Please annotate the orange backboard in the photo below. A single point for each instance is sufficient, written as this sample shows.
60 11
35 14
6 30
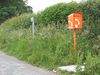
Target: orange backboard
75 20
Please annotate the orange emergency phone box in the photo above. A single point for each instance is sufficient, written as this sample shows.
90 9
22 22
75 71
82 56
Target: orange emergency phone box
75 20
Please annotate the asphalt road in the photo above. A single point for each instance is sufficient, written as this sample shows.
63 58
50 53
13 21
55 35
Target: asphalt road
9 65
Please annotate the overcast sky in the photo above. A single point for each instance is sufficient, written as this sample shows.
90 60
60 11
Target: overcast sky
39 5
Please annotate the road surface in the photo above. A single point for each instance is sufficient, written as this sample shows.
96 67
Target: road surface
9 65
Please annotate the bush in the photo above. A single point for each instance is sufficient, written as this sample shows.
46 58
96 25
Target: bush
91 16
17 22
57 13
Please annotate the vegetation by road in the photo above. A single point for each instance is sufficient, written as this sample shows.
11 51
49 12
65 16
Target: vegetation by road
53 42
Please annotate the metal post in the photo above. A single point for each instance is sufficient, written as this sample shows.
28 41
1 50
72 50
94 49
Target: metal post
33 27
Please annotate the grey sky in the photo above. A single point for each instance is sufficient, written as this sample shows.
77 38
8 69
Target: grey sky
39 5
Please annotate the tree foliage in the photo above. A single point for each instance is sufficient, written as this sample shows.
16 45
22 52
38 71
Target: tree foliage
10 8
57 13
91 15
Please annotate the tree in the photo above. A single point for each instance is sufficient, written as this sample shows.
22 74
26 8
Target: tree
10 8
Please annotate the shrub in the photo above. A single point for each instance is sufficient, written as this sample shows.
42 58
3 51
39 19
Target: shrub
18 22
91 16
57 13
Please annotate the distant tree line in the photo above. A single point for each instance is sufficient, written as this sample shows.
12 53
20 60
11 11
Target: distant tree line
10 8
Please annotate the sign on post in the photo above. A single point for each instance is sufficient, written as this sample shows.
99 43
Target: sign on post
75 22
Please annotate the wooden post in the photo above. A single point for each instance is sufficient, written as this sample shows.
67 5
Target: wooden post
74 36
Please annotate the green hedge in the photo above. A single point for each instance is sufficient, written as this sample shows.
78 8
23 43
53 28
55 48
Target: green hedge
57 13
18 22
